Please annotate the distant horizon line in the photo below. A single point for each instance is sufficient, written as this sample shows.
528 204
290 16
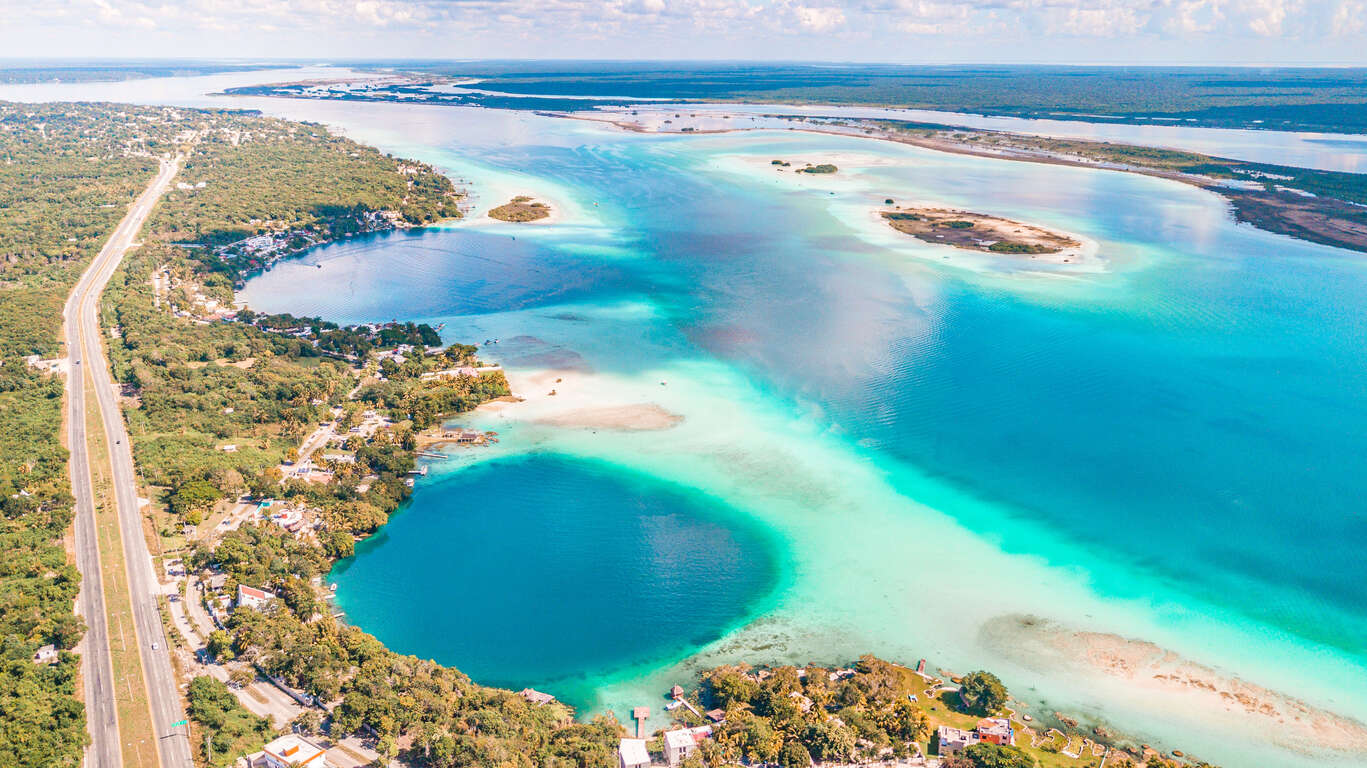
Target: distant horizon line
19 61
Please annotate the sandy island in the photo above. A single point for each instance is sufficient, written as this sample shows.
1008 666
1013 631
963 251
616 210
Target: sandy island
522 209
633 418
1146 667
566 398
981 232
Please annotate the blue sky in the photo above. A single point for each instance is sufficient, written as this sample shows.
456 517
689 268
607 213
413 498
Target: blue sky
912 31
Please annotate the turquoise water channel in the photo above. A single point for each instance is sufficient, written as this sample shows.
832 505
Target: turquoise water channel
1079 476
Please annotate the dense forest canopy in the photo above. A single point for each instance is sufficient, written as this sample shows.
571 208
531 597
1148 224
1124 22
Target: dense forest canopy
1329 99
67 175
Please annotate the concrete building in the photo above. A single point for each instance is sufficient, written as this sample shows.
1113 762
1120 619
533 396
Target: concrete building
952 741
290 751
679 745
997 730
251 597
632 754
536 697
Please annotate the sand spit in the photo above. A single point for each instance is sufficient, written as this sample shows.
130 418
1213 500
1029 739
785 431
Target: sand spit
572 398
1148 668
640 417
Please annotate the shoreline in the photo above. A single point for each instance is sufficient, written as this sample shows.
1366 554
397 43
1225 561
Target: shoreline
1281 213
497 406
869 224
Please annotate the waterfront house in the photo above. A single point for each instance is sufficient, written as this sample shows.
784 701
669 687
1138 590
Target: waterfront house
251 597
679 745
997 730
676 692
952 741
631 753
536 697
290 751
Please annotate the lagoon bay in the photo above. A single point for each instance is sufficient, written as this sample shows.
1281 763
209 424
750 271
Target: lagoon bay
1031 470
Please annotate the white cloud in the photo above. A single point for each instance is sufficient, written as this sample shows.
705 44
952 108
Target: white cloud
679 28
819 19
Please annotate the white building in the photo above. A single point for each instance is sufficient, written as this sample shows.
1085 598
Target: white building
290 751
955 740
251 597
679 745
46 655
632 754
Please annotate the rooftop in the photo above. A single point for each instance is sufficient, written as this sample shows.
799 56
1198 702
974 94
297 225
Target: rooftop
293 749
680 739
633 752
536 697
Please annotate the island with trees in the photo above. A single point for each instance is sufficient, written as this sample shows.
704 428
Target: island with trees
979 232
521 209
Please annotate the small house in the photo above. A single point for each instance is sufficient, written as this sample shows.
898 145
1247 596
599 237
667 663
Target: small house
679 745
997 730
290 751
952 741
631 753
46 655
536 697
251 597
676 692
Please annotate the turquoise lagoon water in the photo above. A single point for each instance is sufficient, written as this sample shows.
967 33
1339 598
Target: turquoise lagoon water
906 451
1166 450
610 566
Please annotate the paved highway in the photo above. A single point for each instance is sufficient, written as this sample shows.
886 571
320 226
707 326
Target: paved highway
87 358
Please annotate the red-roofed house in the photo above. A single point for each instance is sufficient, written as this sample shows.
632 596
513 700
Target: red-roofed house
251 597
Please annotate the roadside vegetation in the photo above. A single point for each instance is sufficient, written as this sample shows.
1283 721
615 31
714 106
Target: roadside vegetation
232 731
260 383
67 175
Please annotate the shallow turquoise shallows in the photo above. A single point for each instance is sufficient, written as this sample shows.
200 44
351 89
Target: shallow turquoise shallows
1168 450
1063 478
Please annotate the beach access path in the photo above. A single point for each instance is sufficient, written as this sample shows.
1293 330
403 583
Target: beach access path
81 327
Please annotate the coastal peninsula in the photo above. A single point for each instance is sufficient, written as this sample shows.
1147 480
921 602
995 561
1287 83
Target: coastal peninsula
1318 206
979 232
268 445
521 209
